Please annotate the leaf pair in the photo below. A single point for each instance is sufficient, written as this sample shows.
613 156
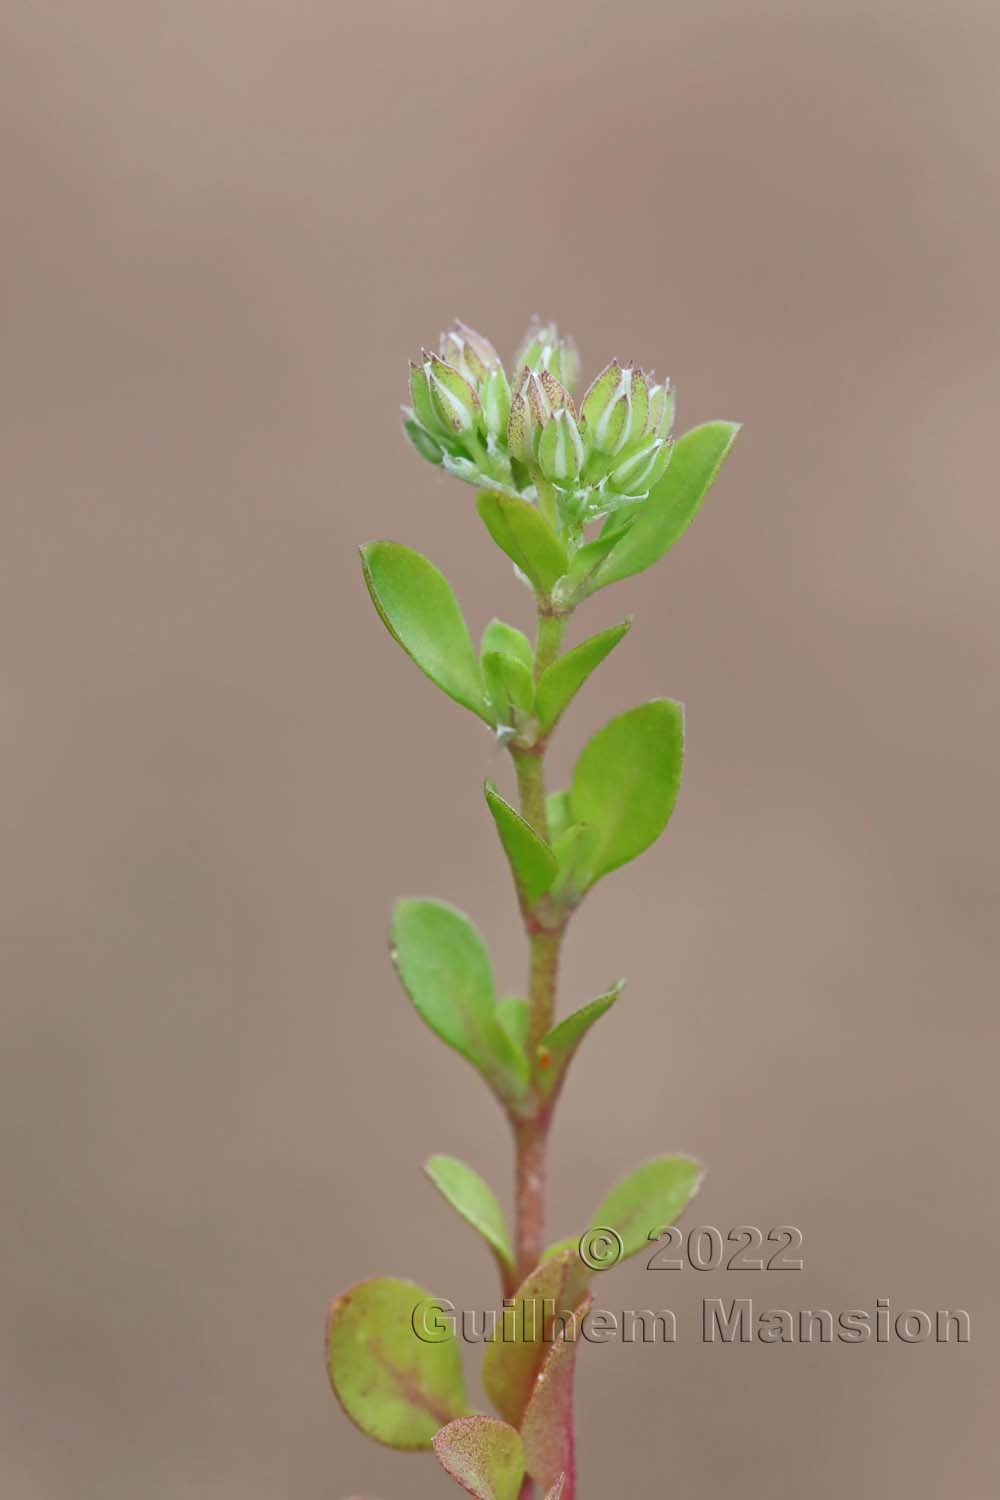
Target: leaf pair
445 969
623 791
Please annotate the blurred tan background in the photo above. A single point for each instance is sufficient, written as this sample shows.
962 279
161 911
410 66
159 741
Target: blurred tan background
226 228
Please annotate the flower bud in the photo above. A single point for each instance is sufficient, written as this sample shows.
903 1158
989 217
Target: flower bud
421 439
641 469
543 349
467 351
560 448
456 404
494 397
616 406
423 403
530 409
661 410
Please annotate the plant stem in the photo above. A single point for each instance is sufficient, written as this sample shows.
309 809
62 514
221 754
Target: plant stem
545 940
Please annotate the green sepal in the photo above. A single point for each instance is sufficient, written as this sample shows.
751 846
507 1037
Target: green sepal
485 1456
671 506
560 682
398 1388
474 1200
648 1199
547 1426
557 1047
445 969
533 864
525 536
418 608
512 1361
625 783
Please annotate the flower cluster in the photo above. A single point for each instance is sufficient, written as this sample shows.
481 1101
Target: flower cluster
526 436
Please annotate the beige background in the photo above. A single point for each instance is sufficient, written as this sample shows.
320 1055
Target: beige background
226 228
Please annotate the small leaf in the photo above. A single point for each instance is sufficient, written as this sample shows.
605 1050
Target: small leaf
625 782
499 636
559 1045
397 1388
474 1200
560 683
484 1455
513 1359
559 813
578 580
420 612
509 685
527 538
672 504
648 1199
532 862
445 970
573 849
513 1013
547 1428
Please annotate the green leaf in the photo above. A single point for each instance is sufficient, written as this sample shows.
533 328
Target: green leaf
625 782
648 1199
573 850
474 1200
445 970
672 504
559 813
560 683
509 685
578 580
547 1427
527 538
532 862
499 636
485 1456
512 1361
420 612
558 1046
513 1013
396 1387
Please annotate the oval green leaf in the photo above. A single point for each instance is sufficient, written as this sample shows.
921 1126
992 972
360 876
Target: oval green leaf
532 862
527 538
672 505
560 683
509 641
396 1387
625 782
649 1199
445 969
510 687
473 1198
485 1456
416 604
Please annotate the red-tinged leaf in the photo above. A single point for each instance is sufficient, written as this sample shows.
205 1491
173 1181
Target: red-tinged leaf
397 1387
547 1429
485 1456
513 1359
